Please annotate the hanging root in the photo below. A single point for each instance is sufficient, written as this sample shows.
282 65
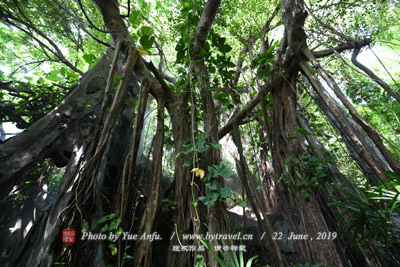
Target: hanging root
84 187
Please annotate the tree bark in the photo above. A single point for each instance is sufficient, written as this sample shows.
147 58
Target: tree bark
143 248
302 212
60 132
375 161
372 133
265 226
217 216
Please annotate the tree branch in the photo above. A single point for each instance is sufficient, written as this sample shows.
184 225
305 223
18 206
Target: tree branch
29 25
38 63
87 18
81 25
371 132
373 76
243 113
204 26
357 44
119 32
9 110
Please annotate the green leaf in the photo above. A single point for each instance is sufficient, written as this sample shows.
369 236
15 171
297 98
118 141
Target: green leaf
188 163
214 185
207 245
89 58
86 104
114 224
250 261
214 196
63 71
225 48
216 145
85 227
242 204
106 218
302 131
393 175
180 56
134 37
135 18
147 41
145 30
203 199
104 228
223 170
225 192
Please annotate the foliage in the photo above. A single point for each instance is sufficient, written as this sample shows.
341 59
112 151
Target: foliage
229 259
368 210
112 224
43 56
170 203
215 191
265 61
30 101
144 34
310 168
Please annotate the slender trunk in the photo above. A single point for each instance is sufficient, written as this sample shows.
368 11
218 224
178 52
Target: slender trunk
217 216
265 136
184 214
256 203
143 248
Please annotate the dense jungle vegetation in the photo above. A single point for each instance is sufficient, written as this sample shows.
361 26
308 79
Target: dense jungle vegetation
200 133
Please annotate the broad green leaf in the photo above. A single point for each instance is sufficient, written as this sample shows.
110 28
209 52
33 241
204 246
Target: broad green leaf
145 30
135 18
225 192
302 131
242 204
89 58
214 185
216 145
214 196
147 41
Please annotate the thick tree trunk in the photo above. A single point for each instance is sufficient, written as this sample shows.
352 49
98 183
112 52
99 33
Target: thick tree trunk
356 140
60 132
299 206
302 213
217 216
59 135
81 108
371 132
349 251
256 203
